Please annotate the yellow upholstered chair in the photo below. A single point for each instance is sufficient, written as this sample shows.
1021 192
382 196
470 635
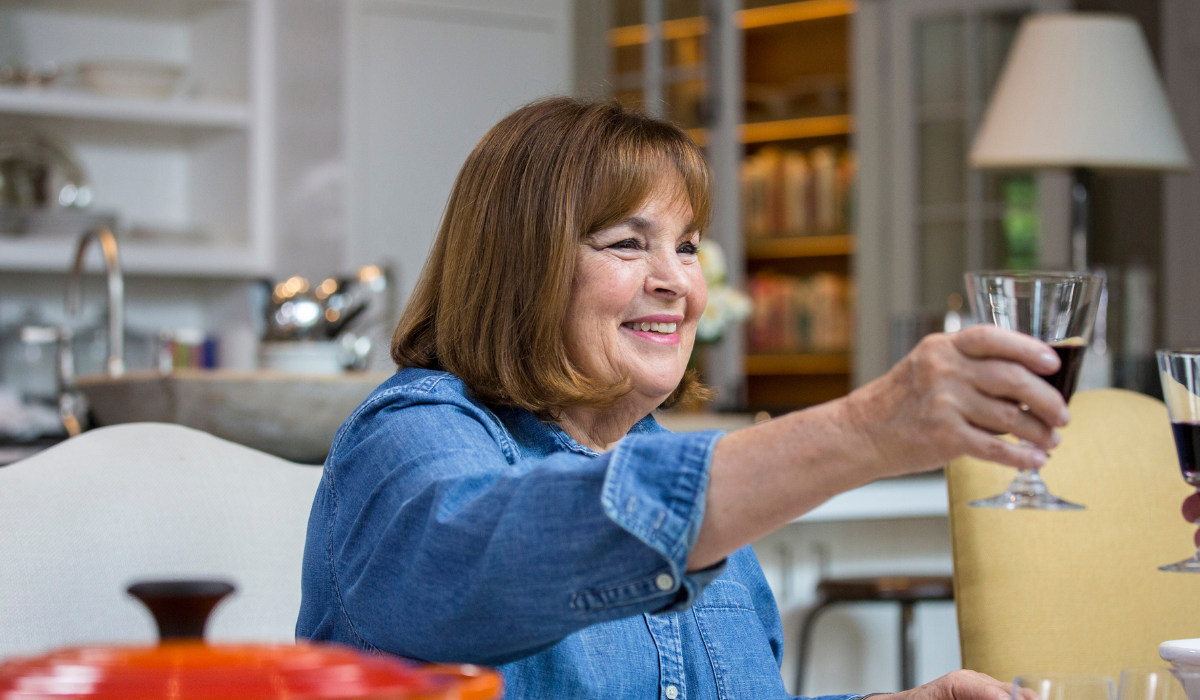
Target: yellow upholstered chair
1078 592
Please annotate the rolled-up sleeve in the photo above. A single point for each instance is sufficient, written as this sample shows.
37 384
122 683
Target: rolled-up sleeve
655 489
444 547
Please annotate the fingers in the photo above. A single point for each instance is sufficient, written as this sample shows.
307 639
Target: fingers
1191 508
982 445
969 685
986 341
1000 416
1022 693
1007 380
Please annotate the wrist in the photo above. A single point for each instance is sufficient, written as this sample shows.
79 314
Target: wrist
861 424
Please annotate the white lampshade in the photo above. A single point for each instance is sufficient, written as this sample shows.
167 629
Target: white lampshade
1079 90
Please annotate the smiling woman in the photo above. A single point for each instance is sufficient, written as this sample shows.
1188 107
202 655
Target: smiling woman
507 497
546 186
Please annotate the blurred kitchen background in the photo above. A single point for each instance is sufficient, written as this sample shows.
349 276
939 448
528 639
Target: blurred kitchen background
274 172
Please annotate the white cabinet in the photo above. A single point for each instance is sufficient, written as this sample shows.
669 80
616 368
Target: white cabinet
188 176
426 81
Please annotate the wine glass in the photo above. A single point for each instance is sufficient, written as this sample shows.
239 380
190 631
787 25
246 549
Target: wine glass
1179 371
1062 686
1059 308
1149 683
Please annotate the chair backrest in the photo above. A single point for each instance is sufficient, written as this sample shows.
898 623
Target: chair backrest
82 520
1078 592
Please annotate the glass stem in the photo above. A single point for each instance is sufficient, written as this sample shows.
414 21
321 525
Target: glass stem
1028 482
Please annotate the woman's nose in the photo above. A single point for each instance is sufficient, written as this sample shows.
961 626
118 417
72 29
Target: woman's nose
667 277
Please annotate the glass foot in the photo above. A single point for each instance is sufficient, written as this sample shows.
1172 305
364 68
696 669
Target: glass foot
1190 566
1027 491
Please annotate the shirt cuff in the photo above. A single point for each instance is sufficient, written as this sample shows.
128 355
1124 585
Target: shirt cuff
655 489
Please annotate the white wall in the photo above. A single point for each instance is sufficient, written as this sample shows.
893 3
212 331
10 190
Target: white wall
426 81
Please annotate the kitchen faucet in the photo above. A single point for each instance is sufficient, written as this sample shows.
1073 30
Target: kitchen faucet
72 407
114 365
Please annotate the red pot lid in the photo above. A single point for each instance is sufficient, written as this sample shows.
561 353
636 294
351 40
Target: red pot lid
183 668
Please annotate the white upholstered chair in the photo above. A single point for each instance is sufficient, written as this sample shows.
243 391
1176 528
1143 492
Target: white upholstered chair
82 520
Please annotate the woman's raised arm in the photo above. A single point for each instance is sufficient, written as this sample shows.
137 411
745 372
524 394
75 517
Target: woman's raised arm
951 396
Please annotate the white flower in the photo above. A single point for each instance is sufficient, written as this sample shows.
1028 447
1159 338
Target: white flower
726 306
712 262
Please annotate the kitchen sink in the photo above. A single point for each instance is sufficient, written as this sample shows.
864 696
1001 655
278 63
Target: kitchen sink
293 416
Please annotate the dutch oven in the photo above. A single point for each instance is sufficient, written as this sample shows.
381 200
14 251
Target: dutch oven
183 667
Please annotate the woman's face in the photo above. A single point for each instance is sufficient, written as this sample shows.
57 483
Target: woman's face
638 295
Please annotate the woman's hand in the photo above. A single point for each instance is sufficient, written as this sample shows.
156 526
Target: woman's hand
954 394
960 685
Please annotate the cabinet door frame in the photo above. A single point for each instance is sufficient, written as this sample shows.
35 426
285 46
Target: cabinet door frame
887 262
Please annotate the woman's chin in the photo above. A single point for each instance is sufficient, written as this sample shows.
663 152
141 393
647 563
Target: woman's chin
659 385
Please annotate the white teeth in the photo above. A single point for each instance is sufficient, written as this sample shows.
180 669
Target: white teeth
665 328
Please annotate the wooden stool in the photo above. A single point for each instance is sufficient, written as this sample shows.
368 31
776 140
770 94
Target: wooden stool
905 590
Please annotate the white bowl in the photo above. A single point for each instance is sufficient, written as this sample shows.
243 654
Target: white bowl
1183 653
1184 656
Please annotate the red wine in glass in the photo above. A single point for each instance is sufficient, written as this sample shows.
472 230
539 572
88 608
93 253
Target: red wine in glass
1179 371
1070 354
1187 444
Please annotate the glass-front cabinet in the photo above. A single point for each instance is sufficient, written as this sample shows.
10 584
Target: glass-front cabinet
925 70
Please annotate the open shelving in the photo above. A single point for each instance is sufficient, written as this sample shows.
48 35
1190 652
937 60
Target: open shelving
795 97
187 178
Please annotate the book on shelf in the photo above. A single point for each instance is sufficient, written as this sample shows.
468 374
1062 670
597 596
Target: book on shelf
788 192
790 314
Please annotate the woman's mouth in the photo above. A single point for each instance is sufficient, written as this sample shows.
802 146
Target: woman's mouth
663 328
654 331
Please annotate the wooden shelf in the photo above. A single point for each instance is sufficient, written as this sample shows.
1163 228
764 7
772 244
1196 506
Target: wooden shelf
756 18
815 363
82 105
786 129
798 247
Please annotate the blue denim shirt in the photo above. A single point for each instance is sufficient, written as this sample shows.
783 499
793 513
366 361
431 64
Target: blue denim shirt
445 529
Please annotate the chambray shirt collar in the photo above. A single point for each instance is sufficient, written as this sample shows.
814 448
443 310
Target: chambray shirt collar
541 438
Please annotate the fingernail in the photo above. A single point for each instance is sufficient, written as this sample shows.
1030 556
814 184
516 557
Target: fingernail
1049 359
1055 438
1064 417
1039 459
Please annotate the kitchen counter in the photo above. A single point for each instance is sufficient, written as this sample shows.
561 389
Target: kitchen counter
921 496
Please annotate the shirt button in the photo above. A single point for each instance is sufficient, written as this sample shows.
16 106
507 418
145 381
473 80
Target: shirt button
664 583
672 691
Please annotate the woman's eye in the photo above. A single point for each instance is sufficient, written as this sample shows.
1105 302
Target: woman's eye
689 249
627 244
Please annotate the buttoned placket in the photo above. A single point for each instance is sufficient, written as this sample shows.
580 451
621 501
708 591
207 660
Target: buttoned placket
664 629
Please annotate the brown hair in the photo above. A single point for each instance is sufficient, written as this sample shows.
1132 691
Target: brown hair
491 301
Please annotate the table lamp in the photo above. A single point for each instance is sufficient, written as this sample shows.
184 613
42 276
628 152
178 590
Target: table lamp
1079 90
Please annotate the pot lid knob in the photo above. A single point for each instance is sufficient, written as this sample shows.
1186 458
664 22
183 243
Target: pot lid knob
180 608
